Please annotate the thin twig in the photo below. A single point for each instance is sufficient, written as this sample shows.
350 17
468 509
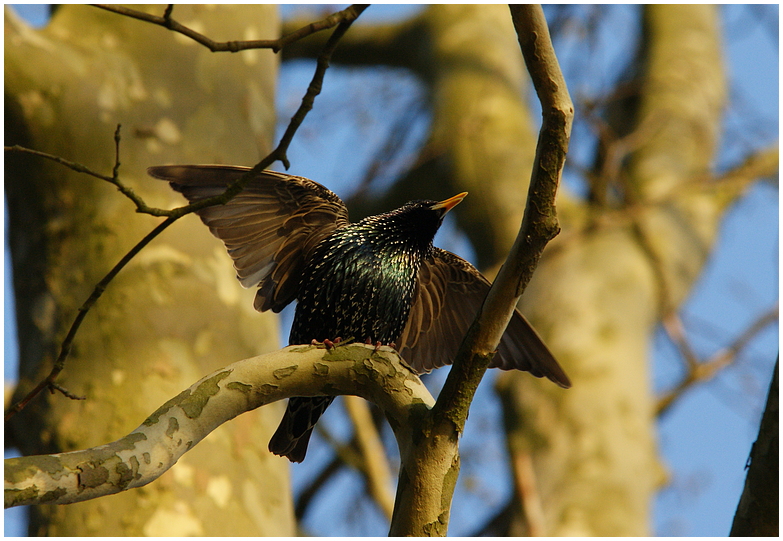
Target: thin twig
672 324
279 153
53 386
65 348
700 372
141 206
79 168
348 14
316 83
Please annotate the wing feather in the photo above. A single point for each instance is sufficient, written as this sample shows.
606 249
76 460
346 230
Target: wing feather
449 295
269 229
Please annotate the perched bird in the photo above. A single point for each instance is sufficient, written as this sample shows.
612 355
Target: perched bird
379 279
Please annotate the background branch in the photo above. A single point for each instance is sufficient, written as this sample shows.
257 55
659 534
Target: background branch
374 464
700 372
758 511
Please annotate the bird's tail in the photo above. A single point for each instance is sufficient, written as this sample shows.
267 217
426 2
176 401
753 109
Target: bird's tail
292 436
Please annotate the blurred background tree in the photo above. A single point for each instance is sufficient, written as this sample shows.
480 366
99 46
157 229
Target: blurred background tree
671 139
177 309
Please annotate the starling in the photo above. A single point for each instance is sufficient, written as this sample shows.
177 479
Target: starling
379 279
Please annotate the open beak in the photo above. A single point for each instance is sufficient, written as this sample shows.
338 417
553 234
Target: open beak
448 204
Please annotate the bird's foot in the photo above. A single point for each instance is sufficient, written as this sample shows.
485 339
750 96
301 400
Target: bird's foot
328 344
378 345
331 344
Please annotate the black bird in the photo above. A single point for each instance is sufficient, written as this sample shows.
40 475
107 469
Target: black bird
379 279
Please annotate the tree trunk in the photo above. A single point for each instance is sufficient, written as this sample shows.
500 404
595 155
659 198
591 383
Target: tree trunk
758 511
601 289
177 306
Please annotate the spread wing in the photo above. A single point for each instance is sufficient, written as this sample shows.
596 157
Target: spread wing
450 293
269 229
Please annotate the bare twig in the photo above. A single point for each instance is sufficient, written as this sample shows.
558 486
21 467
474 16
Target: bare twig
65 348
699 372
79 168
315 85
348 14
672 324
141 206
279 153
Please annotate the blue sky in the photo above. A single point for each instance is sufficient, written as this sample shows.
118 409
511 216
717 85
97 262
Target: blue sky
705 440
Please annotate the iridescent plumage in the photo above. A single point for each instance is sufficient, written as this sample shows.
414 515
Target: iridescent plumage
379 279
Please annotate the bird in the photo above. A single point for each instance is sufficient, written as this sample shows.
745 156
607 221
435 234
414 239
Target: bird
378 280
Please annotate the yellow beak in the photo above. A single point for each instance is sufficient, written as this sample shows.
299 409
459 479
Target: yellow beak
450 203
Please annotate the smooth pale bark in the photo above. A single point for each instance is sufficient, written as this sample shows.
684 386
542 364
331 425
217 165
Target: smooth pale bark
178 426
599 295
176 312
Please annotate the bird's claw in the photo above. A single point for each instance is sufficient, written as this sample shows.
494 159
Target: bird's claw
328 344
378 345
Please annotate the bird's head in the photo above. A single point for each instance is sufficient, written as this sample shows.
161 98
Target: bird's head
421 219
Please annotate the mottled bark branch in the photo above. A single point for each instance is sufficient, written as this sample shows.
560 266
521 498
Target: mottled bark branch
176 427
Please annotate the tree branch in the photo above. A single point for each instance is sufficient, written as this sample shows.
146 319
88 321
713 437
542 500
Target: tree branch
176 427
700 372
539 224
428 473
348 14
527 491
